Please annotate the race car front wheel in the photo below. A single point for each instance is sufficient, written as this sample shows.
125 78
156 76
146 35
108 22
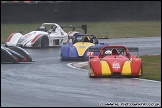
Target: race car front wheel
44 42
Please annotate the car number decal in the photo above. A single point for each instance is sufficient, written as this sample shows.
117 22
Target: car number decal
61 40
116 65
90 53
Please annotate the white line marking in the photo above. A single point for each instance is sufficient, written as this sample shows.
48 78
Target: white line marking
70 65
147 80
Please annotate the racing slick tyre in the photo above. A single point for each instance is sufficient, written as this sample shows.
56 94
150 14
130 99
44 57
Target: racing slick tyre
44 42
89 74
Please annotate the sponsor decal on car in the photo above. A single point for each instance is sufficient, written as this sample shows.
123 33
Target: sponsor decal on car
81 46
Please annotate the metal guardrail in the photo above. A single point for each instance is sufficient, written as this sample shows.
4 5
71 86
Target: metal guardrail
28 1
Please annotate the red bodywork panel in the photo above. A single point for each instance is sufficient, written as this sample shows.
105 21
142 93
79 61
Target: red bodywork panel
135 66
95 65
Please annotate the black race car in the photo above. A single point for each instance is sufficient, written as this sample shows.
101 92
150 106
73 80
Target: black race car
14 54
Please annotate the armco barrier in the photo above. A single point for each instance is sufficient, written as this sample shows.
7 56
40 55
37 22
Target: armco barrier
80 11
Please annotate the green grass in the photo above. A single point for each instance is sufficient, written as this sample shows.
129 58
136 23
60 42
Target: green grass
110 29
123 29
151 67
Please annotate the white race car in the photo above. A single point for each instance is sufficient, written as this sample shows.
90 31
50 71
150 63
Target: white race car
41 37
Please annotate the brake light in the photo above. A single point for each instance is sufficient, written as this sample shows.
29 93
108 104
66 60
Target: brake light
24 59
17 59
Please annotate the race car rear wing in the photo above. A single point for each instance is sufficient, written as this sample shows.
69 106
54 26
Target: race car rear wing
131 49
84 27
102 37
106 37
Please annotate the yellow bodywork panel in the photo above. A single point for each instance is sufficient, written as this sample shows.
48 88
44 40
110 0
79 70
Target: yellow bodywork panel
91 72
105 68
126 68
140 72
82 47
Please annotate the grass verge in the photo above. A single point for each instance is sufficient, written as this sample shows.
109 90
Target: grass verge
151 67
100 29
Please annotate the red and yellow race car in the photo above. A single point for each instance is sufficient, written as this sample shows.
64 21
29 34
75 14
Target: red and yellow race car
115 61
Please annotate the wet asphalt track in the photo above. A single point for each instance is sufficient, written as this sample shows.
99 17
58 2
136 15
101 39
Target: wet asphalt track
50 82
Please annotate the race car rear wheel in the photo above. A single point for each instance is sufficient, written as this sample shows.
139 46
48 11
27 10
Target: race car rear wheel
44 42
89 75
